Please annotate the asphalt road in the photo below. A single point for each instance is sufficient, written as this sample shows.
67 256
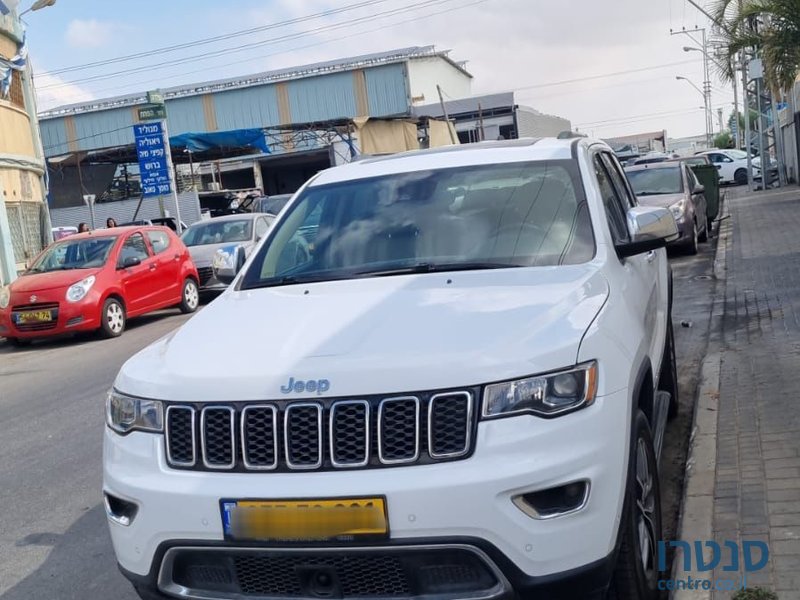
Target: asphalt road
54 542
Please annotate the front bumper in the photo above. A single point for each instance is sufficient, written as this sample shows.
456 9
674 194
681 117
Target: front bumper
467 502
72 316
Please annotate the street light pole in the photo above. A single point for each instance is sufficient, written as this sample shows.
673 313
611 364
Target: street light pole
705 105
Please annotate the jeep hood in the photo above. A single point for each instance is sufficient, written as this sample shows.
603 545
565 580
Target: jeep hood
378 335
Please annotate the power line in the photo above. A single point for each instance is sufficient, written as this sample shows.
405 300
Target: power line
297 48
211 40
642 116
604 75
244 47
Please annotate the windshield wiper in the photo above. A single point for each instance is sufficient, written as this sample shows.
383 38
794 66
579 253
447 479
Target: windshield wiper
434 268
295 279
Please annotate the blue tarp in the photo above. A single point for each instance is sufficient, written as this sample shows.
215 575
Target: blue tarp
199 142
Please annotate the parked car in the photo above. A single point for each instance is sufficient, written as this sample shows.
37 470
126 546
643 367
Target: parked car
732 165
270 204
62 232
461 392
650 158
170 222
674 186
204 238
97 281
697 159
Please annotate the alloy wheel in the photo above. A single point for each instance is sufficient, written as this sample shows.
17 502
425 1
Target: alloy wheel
191 295
645 510
115 317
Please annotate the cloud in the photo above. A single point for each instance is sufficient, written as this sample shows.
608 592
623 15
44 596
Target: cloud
90 33
65 93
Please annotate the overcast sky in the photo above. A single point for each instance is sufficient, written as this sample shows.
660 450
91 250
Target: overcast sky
531 46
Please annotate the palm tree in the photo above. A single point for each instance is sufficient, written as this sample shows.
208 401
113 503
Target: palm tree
770 26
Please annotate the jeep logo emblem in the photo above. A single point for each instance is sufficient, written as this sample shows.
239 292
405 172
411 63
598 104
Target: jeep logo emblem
320 386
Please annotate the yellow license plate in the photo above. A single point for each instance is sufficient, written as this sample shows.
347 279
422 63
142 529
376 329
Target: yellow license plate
305 520
35 316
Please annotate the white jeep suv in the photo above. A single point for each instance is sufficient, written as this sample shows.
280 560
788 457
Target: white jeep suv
453 392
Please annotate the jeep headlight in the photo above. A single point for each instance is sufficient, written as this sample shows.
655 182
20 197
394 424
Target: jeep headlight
5 296
678 209
125 413
78 291
547 395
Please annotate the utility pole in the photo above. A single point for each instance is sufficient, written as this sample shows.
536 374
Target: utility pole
721 121
482 133
444 111
738 135
746 110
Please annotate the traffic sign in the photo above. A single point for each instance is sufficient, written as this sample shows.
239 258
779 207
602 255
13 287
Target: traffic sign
155 97
153 159
151 112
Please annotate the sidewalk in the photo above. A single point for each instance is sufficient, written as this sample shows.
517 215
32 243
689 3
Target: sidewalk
757 482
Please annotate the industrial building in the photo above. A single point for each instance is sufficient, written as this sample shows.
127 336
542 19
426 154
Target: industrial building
494 116
304 119
271 131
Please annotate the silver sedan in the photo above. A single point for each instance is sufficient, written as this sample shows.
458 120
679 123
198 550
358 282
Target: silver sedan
206 237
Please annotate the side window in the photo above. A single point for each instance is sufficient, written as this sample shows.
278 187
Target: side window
134 247
158 240
261 227
612 203
619 180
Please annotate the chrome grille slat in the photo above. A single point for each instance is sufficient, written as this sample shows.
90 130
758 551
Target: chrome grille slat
303 448
259 436
401 445
349 421
179 427
449 424
217 431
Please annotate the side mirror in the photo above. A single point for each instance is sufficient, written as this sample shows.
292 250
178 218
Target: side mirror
699 189
131 261
650 228
227 262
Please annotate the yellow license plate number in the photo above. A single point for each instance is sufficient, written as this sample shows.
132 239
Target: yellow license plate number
35 316
305 520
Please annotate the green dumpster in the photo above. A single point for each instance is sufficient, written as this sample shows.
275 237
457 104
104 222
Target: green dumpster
709 178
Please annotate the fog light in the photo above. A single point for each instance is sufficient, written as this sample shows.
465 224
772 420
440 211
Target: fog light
120 511
554 502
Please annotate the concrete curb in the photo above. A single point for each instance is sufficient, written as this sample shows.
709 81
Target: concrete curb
696 518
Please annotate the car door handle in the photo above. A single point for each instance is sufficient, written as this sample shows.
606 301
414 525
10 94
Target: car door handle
650 256
177 257
153 267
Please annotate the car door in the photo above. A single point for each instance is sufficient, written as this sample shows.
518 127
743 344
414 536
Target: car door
645 286
724 165
168 266
138 281
698 199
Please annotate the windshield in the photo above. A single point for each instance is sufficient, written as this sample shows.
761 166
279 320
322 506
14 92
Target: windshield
664 180
87 253
219 232
737 154
478 217
271 205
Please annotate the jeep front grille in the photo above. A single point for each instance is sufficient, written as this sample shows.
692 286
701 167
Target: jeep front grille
321 435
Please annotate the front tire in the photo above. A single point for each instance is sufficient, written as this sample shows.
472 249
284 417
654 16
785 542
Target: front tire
190 297
668 377
691 244
636 574
740 177
112 319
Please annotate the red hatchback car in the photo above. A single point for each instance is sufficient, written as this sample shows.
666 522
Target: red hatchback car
98 280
